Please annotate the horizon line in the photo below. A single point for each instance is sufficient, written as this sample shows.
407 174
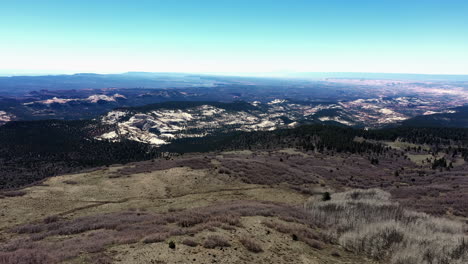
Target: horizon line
286 74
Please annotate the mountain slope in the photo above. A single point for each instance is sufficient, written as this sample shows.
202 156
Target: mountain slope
457 117
159 124
33 150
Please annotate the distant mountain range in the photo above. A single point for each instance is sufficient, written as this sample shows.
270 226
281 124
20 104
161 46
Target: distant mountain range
379 76
22 84
341 99
17 84
458 117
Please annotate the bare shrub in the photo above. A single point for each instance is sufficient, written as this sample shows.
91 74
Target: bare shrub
214 241
377 240
313 243
368 222
189 242
190 220
298 233
224 171
173 210
177 232
94 233
71 182
155 238
128 238
305 190
195 163
228 227
251 245
51 219
13 193
26 256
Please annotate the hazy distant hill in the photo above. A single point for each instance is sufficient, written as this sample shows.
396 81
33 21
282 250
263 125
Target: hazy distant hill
457 119
21 84
384 76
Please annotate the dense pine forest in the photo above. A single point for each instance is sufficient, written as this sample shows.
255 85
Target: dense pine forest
329 138
33 150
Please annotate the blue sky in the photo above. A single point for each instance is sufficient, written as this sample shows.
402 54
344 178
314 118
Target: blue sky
403 36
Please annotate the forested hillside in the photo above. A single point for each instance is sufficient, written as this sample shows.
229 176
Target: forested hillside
33 150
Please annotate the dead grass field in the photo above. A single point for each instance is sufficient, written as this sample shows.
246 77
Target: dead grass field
62 214
164 188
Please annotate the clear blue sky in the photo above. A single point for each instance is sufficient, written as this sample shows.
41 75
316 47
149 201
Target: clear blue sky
408 36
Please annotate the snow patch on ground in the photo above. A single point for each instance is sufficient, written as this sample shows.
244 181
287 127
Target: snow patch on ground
92 99
5 117
336 119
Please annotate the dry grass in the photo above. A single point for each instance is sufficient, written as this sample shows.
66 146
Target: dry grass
26 256
214 241
190 242
367 222
71 182
251 245
297 232
12 193
95 233
159 237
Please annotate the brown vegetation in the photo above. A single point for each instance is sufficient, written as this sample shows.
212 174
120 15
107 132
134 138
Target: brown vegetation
251 245
415 186
190 242
297 232
100 231
214 241
367 222
71 182
12 193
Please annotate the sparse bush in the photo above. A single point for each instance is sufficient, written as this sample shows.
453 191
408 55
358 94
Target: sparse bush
326 196
305 190
13 193
191 220
377 241
214 241
51 219
177 232
228 227
172 245
155 238
132 226
224 171
71 182
251 245
26 256
189 242
313 243
128 239
368 222
173 210
298 233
